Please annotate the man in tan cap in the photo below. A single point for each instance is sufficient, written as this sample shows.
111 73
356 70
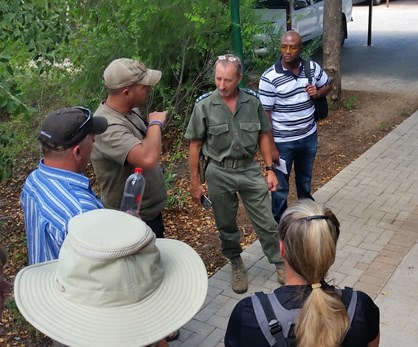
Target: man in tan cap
131 140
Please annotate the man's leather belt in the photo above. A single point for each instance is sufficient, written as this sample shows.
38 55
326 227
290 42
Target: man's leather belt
232 163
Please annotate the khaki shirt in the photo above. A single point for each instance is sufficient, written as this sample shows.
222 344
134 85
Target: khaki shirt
225 134
110 151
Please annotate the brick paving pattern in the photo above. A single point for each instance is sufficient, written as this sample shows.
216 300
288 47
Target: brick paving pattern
376 200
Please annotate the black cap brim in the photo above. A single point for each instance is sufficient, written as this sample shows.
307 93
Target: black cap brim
99 125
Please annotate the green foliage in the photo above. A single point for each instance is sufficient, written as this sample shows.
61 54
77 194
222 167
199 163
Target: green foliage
39 24
383 125
310 48
16 135
29 30
177 196
10 93
256 34
49 90
179 37
405 113
350 103
6 153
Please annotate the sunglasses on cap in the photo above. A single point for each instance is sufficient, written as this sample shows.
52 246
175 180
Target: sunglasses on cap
88 116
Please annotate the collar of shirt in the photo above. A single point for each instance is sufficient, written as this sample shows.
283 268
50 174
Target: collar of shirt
279 67
217 100
72 177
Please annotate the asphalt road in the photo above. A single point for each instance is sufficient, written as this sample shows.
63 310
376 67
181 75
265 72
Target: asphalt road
390 63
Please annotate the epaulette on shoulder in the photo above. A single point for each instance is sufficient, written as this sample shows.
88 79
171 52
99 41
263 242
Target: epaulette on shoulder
250 92
204 96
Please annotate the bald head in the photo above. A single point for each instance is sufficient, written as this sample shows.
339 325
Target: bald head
292 36
290 49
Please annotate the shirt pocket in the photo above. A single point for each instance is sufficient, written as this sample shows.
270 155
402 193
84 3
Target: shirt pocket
249 134
219 138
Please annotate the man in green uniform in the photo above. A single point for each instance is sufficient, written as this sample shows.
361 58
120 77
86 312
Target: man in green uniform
228 125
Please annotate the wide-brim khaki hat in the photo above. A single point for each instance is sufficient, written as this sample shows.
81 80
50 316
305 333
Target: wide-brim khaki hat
49 298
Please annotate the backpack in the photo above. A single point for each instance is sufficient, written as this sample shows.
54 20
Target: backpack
277 323
321 104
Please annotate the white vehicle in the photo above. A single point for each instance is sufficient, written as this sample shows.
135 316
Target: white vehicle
375 2
303 16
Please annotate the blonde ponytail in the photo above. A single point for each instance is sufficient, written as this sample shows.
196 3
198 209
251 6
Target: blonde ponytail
310 233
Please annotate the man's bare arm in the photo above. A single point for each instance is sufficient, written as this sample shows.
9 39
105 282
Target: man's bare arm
264 143
147 153
275 155
196 189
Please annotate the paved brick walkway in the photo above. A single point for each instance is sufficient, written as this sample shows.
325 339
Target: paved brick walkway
376 200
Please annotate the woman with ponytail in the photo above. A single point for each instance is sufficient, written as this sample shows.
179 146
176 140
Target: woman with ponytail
308 241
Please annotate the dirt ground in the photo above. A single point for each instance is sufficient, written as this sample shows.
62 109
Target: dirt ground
347 133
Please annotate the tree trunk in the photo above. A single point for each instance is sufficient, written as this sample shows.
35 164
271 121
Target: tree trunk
332 41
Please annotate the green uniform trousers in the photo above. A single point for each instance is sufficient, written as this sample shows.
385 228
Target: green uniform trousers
224 185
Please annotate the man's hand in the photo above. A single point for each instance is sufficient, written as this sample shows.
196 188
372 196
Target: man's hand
275 155
158 116
312 91
272 182
196 191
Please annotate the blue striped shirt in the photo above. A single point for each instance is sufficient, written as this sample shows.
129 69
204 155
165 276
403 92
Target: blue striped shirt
284 94
50 197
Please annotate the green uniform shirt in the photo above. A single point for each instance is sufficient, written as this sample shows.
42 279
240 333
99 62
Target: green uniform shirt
110 151
225 134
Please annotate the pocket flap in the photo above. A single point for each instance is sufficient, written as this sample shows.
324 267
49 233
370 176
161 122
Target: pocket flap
218 129
250 126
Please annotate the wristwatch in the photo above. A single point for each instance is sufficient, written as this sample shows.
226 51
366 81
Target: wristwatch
270 167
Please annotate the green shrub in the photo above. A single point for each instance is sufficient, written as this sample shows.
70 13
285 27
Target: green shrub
16 136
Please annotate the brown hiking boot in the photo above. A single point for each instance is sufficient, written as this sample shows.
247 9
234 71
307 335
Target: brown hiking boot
239 277
280 273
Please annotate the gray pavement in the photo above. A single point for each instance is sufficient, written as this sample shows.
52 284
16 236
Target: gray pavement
375 197
376 200
389 64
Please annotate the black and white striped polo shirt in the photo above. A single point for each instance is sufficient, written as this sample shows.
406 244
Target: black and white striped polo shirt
283 93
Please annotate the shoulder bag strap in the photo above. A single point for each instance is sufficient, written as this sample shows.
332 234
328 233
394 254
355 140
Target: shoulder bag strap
274 325
307 68
349 298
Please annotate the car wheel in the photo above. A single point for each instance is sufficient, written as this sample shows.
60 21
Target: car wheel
377 2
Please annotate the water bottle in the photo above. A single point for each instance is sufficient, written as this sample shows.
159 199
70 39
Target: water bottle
132 194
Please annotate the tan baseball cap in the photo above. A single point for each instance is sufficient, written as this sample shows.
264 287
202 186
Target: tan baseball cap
124 72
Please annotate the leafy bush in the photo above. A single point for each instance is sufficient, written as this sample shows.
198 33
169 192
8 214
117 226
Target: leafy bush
16 136
179 37
10 92
30 30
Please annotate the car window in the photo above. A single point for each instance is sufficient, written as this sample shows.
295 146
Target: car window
298 4
272 4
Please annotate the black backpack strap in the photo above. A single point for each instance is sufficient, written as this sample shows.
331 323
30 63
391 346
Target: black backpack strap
267 320
307 68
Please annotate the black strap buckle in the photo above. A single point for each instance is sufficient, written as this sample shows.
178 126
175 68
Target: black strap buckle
275 327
